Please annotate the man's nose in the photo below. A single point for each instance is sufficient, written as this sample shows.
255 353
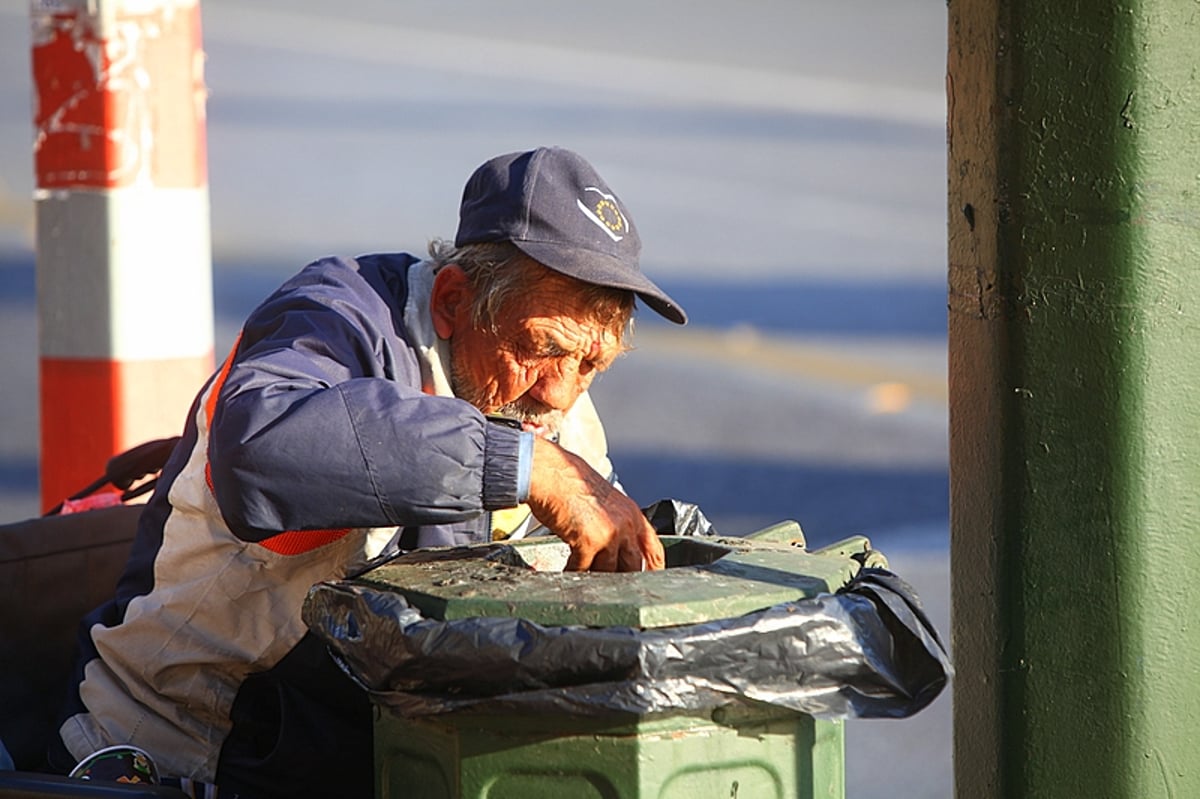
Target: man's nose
560 389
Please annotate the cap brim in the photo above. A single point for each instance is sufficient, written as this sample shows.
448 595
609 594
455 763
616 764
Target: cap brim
603 270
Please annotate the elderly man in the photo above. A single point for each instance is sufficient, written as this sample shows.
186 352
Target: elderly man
370 405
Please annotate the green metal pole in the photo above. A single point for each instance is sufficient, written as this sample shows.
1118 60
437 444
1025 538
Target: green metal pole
1074 282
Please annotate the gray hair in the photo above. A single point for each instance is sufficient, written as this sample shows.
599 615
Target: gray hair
500 274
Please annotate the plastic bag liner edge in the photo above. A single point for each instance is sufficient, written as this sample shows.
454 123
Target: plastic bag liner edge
867 651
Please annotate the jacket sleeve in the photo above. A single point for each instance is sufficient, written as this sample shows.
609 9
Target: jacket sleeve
320 422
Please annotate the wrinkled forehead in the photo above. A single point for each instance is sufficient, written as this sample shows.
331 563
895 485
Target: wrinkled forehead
604 312
565 333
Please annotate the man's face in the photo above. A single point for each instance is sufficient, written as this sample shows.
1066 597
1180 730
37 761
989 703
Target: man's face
545 351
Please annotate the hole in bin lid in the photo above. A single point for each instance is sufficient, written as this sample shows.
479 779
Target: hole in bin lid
706 580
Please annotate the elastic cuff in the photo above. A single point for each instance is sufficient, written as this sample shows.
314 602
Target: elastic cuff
524 466
506 468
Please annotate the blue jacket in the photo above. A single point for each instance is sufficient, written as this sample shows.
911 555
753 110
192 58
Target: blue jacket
324 442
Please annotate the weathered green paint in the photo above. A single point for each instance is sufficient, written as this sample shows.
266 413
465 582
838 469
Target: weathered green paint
705 579
785 532
733 751
743 755
1074 221
857 547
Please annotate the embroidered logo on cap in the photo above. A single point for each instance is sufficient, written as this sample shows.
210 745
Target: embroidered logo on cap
605 214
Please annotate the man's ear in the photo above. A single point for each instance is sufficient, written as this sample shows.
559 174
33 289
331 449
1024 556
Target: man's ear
450 302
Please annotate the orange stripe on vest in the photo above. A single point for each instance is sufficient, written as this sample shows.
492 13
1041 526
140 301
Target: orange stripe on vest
291 542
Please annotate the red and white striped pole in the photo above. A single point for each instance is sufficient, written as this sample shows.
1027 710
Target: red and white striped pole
124 268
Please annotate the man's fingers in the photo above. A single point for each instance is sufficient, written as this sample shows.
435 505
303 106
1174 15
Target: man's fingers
604 527
630 559
626 556
651 551
578 562
605 561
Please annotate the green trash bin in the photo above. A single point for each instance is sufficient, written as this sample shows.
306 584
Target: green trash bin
494 674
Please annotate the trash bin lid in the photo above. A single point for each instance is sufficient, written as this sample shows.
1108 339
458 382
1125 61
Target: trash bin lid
705 579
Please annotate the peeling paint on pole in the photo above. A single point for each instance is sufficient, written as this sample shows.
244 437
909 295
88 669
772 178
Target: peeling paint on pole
124 264
119 98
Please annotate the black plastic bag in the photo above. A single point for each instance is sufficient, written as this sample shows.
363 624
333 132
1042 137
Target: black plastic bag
866 651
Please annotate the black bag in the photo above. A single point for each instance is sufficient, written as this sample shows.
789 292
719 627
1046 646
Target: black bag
53 571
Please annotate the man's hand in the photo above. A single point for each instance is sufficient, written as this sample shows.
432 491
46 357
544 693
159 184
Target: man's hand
604 528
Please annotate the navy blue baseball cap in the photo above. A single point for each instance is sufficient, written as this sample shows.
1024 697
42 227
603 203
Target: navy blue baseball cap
552 206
